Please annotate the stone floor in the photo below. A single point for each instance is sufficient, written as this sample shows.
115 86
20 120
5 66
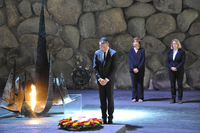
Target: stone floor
154 115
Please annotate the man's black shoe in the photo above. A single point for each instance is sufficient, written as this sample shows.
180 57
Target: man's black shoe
110 122
104 121
180 102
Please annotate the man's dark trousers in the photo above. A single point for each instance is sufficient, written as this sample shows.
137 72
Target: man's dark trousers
106 94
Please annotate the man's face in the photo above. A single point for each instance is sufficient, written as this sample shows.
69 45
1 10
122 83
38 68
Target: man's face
104 47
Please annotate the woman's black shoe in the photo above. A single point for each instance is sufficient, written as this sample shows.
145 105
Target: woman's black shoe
172 101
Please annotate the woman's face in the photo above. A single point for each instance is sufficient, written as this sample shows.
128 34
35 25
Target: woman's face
136 43
175 45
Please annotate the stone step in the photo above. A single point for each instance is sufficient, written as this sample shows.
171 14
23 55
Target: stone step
53 128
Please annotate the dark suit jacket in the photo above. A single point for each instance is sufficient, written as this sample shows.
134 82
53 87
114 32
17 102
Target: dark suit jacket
141 61
179 59
108 69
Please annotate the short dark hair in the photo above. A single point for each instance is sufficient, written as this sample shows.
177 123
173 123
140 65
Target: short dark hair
137 39
103 40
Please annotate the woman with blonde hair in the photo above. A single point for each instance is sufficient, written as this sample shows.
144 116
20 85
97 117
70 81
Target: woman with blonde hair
175 62
136 59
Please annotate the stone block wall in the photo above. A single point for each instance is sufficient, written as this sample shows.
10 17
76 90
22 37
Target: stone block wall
74 27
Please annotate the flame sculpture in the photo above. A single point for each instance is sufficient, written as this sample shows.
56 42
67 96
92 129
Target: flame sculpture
17 92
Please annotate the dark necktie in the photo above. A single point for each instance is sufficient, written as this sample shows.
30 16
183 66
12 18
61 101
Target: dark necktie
104 56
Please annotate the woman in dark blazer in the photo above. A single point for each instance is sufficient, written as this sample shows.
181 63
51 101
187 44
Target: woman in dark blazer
136 59
175 62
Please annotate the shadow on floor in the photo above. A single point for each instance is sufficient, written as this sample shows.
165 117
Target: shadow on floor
9 116
132 127
157 99
194 101
129 127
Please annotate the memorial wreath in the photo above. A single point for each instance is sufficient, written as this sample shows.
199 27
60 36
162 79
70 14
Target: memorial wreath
81 76
68 124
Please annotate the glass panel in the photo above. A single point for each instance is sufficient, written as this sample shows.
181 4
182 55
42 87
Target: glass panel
73 105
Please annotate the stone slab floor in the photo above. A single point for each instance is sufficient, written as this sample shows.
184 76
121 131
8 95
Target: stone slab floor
154 115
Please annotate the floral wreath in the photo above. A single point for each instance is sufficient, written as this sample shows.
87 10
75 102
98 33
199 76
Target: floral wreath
80 76
68 124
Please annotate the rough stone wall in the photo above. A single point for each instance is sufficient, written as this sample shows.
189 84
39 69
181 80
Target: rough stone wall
74 27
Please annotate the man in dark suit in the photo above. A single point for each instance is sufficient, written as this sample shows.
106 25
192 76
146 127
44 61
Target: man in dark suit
105 65
175 62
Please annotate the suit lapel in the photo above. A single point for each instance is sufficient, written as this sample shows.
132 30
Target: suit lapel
177 54
100 56
171 54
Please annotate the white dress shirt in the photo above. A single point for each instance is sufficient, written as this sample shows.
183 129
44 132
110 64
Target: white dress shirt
103 54
174 54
